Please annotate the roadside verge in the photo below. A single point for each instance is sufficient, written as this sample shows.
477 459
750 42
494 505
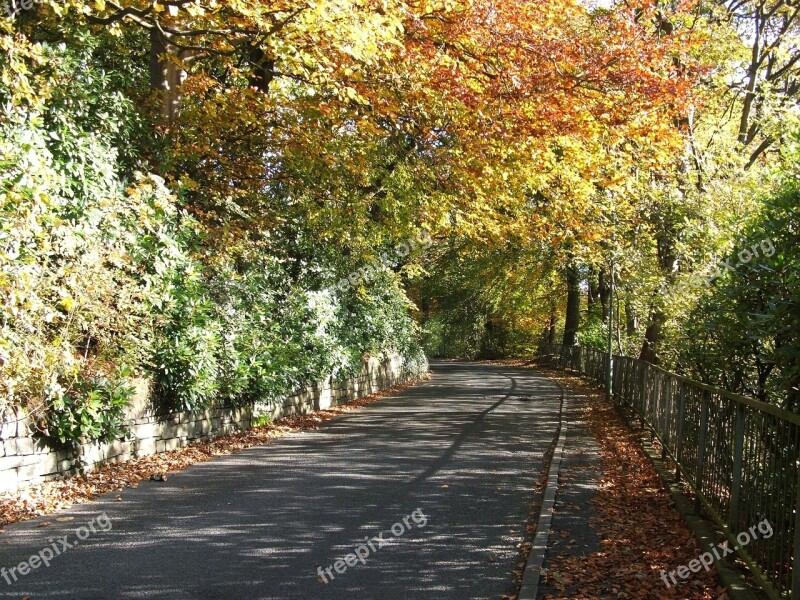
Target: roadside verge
617 530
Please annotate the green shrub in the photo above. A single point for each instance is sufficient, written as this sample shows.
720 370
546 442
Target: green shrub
101 267
745 335
186 353
91 410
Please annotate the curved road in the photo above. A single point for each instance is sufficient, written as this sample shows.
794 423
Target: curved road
463 450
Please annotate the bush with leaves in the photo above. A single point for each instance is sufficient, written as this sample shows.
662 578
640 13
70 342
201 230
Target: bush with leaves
103 272
745 335
91 410
83 253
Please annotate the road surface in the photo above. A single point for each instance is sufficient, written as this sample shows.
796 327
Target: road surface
456 456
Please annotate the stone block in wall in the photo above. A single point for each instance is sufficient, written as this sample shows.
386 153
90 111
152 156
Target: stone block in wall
24 445
145 447
48 463
10 447
91 454
116 447
297 406
323 399
241 414
26 474
183 430
198 429
146 430
120 458
168 430
171 444
8 463
198 415
269 409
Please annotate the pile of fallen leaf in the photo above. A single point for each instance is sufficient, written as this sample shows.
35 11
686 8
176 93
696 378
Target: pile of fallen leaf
57 494
641 532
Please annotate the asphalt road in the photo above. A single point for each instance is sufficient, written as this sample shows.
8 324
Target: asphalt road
463 450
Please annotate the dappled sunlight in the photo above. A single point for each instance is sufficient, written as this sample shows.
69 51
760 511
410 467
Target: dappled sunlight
464 447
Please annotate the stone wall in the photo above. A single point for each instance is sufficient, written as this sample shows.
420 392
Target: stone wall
27 459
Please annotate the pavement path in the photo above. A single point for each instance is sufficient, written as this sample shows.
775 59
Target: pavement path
465 448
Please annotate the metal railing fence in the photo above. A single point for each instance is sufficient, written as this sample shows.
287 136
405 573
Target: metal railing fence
741 456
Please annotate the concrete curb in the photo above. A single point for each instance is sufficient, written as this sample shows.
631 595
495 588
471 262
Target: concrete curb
533 568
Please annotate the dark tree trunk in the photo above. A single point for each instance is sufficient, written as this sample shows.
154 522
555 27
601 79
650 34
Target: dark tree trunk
593 292
604 291
551 329
165 76
631 319
573 306
654 333
652 337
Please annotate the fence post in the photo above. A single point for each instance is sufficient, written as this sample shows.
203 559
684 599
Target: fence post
643 392
701 451
628 382
667 411
736 481
796 566
679 432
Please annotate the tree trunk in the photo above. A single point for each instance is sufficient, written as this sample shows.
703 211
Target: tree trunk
604 290
573 306
551 329
652 337
165 76
631 319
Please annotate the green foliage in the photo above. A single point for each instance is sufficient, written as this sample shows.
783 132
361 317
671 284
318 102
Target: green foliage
100 267
91 410
486 305
593 333
73 296
745 335
186 353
